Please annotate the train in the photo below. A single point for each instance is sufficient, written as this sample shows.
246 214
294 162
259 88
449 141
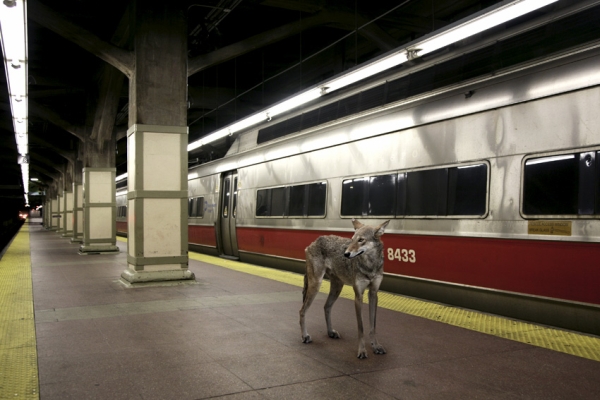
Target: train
491 186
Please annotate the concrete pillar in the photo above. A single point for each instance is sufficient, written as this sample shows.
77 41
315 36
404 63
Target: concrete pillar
157 147
99 211
67 214
157 199
47 213
61 213
77 236
98 178
55 213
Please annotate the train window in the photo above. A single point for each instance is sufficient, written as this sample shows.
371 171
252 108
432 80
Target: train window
292 201
277 202
467 188
353 195
297 200
122 211
225 199
401 194
316 199
270 202
434 192
426 192
382 195
567 184
374 195
196 207
235 189
199 207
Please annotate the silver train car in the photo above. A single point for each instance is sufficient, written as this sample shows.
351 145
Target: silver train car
491 186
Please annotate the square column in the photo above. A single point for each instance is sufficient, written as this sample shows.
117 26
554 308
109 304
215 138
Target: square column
99 211
157 204
61 212
54 214
67 214
77 213
45 213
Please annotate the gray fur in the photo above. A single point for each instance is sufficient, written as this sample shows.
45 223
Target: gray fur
357 262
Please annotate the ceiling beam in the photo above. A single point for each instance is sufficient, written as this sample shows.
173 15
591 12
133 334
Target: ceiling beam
51 116
371 32
70 156
115 56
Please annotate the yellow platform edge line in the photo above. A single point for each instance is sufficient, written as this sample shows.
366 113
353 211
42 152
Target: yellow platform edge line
568 342
18 353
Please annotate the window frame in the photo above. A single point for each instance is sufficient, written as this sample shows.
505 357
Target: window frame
190 207
286 210
576 152
427 168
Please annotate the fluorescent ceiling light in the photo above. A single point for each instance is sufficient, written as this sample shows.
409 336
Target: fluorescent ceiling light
13 32
294 102
248 122
12 22
22 140
362 73
17 80
486 19
121 177
19 107
215 136
459 30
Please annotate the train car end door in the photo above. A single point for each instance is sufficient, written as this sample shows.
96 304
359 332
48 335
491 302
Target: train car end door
227 214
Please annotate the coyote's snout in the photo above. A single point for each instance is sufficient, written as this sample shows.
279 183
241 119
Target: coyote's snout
361 267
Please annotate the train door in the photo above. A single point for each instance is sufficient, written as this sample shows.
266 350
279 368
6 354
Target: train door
227 214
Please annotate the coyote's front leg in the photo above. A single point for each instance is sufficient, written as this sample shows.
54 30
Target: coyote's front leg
377 348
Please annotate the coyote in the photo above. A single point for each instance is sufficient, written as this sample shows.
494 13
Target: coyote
357 262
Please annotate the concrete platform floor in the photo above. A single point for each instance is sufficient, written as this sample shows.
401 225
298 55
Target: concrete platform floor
236 336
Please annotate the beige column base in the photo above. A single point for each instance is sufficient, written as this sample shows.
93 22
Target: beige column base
98 248
134 277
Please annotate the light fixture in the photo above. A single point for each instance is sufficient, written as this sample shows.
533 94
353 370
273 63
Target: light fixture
485 19
364 72
13 34
121 177
296 101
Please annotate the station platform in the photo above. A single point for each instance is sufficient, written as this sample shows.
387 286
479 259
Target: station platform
71 330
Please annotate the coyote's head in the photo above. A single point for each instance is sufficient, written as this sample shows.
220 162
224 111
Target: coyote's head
365 238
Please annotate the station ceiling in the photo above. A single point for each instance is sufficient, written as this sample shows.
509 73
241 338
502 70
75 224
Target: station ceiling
245 55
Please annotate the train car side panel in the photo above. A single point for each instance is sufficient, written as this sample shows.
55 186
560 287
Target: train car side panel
202 235
561 270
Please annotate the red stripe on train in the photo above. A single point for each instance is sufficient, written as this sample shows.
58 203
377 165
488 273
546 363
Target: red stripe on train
202 234
562 270
122 226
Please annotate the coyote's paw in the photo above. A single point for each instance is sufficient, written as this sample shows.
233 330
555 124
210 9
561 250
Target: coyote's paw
362 354
306 339
378 349
334 334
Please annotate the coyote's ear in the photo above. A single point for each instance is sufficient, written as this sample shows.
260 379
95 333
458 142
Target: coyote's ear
356 224
381 229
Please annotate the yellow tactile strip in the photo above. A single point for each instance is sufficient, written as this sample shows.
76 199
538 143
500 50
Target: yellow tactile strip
18 355
554 339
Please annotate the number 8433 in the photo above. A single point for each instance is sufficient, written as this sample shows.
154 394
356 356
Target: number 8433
403 255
